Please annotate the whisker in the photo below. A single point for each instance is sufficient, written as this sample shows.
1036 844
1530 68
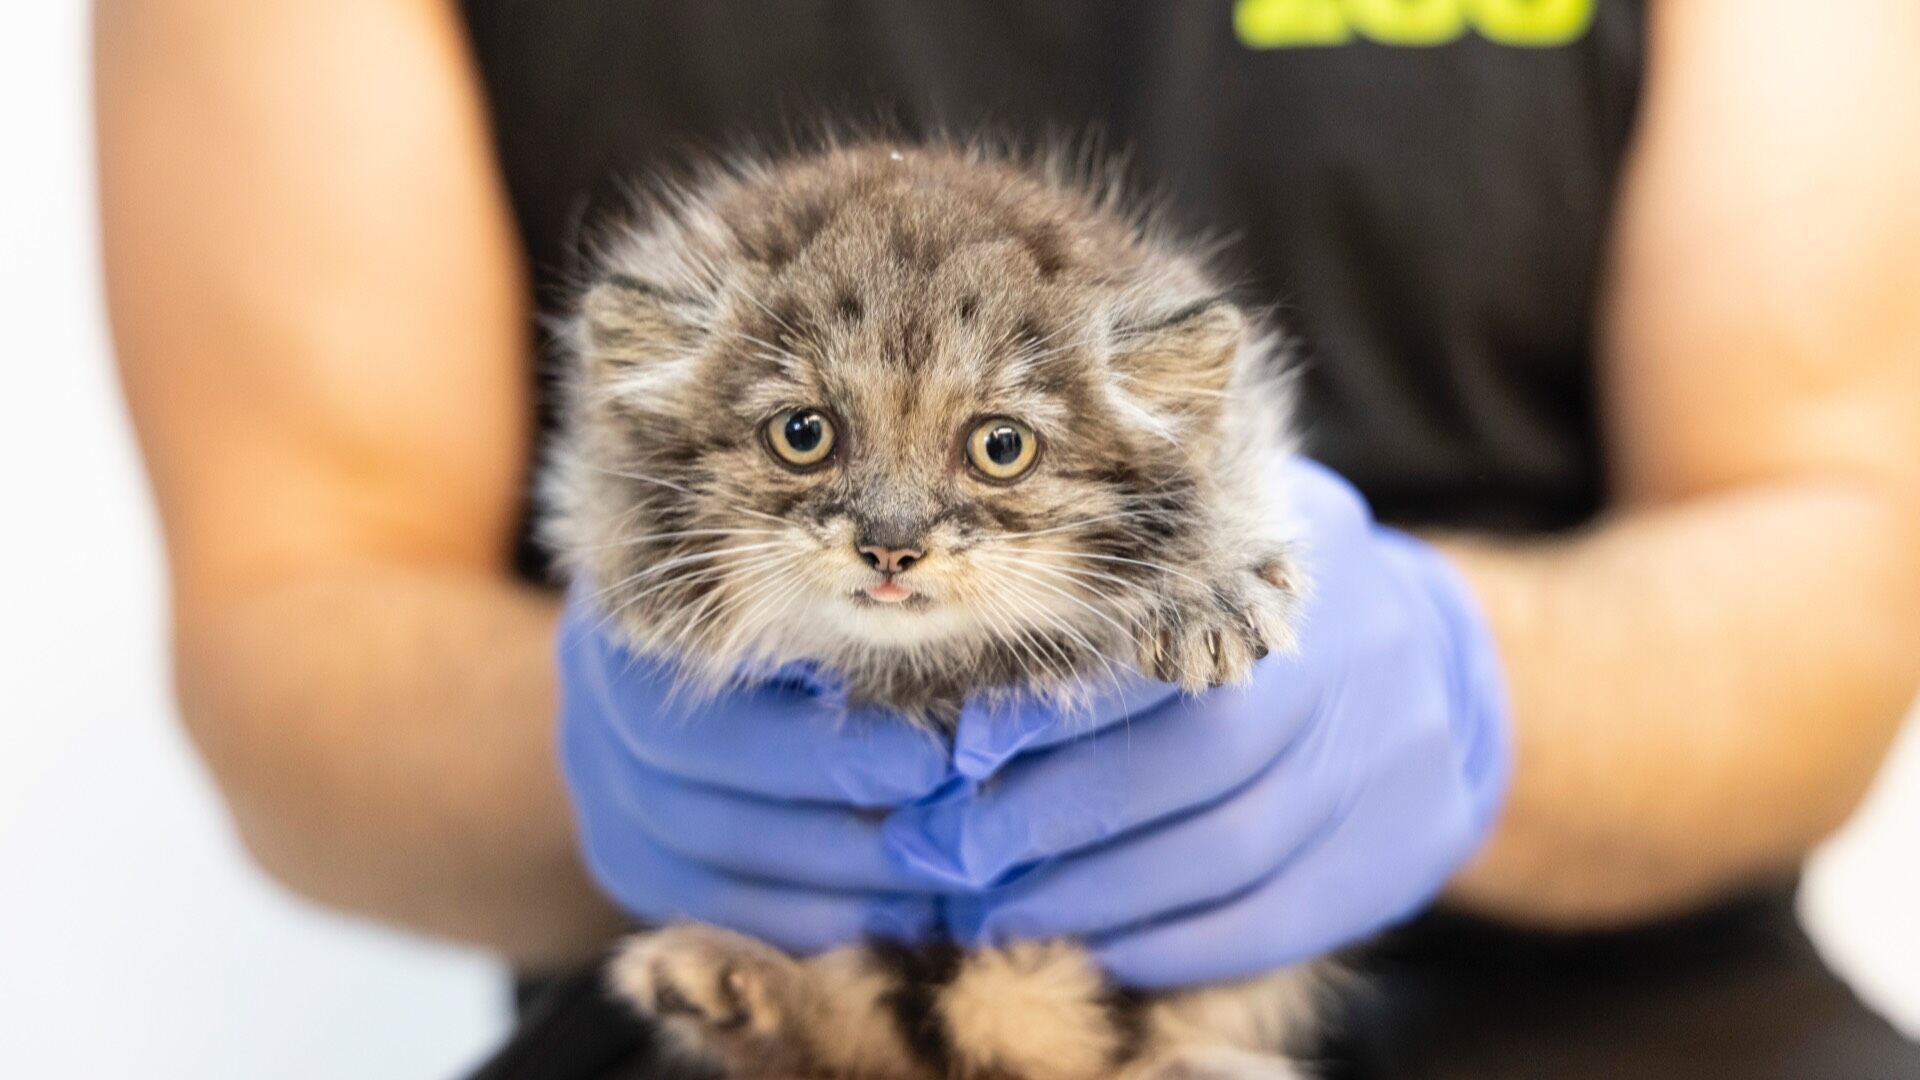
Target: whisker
751 622
1123 515
650 538
679 628
1086 574
653 569
693 577
1162 567
683 489
1033 612
1018 642
701 575
1063 624
1026 568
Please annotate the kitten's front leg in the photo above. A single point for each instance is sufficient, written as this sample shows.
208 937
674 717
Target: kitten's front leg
1207 630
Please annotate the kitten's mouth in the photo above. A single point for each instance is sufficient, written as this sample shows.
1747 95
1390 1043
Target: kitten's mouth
893 593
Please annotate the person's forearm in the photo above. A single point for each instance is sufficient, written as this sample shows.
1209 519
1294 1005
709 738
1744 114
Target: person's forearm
1700 694
384 738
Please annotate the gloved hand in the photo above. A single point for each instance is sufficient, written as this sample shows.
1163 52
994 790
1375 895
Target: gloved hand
1248 828
764 810
759 811
1188 838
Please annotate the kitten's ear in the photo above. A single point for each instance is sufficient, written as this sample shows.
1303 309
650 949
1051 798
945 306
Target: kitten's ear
1184 360
635 328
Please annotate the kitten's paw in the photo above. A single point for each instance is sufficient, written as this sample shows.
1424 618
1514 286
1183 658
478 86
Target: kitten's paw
1209 633
726 995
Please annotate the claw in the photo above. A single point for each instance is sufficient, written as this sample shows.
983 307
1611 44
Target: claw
733 990
668 1000
1163 649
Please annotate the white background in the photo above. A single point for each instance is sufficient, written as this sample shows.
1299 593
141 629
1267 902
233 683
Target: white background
135 941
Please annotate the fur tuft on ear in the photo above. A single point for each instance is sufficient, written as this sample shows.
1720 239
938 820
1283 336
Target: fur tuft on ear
636 331
1180 363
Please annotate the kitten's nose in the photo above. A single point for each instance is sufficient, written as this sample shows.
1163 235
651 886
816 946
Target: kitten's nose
889 560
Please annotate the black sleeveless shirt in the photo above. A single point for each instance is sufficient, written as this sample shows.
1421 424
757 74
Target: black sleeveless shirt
1424 192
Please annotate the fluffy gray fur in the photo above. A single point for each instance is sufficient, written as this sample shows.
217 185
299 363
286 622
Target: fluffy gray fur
928 307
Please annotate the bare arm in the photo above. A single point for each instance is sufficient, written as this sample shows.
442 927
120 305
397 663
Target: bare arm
1705 683
319 309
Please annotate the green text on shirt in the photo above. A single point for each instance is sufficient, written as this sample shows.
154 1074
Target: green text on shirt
1281 24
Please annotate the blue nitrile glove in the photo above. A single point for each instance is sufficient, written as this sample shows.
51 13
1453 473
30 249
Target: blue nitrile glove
759 811
763 810
1190 838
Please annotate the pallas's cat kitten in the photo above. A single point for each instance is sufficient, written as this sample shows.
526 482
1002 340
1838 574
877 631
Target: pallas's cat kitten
945 424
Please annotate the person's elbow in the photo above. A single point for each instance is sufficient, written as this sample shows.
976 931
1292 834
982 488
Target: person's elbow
247 706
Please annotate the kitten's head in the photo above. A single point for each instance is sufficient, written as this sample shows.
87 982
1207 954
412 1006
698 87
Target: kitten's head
888 403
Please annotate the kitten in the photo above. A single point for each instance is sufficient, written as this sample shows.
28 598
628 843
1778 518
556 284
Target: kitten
946 425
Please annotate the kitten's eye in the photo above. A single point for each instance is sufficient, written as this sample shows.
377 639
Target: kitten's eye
800 438
1002 449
